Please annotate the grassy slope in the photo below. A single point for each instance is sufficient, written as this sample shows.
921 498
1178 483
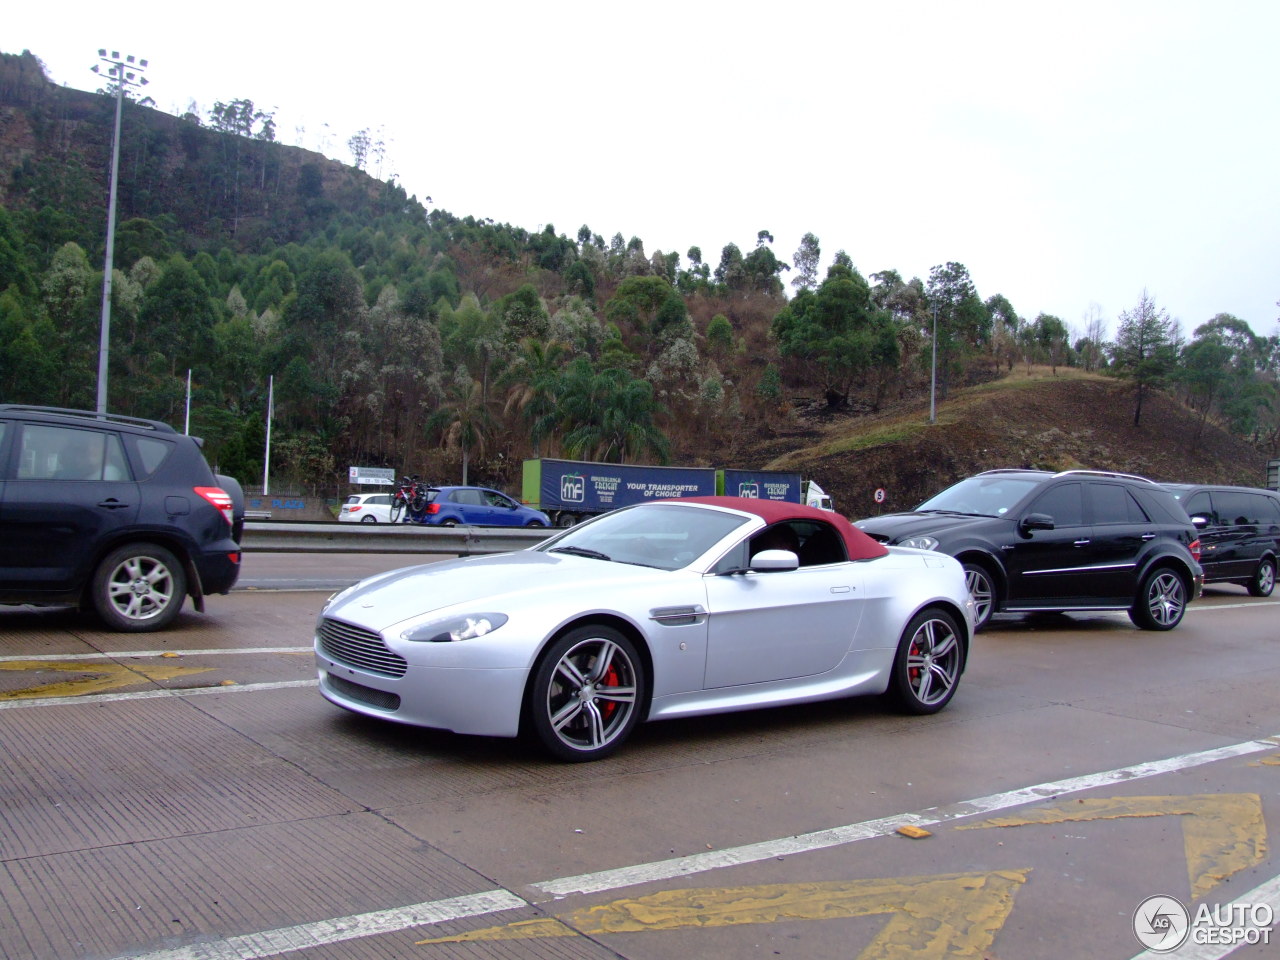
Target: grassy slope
1069 421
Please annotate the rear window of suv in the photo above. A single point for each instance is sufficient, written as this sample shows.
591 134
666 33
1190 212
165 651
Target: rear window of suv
152 452
1112 503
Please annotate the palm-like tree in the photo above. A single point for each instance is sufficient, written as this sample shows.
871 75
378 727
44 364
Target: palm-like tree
463 421
535 380
608 415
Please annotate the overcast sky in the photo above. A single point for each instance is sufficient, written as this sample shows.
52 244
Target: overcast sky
1068 155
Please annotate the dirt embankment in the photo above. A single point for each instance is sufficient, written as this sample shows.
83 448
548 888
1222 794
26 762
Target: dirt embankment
1046 422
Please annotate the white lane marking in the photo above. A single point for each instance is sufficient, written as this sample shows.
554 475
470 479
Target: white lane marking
821 839
154 653
275 942
153 694
1267 892
1232 606
253 946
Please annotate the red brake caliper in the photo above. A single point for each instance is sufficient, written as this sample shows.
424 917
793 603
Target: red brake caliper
610 679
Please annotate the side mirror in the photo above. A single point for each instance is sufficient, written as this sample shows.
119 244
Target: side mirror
1200 522
1035 521
771 561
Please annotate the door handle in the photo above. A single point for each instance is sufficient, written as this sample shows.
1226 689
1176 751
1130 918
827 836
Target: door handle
1082 543
112 504
1148 536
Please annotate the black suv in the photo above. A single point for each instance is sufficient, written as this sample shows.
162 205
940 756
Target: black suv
1239 533
116 514
1031 540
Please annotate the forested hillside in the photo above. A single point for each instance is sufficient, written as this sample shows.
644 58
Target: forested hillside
397 334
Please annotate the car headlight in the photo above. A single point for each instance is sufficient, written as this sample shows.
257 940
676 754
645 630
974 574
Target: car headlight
453 629
920 543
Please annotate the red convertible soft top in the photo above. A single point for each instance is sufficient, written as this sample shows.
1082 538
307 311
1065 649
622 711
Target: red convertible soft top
859 545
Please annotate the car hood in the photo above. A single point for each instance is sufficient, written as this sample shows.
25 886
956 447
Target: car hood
500 582
898 526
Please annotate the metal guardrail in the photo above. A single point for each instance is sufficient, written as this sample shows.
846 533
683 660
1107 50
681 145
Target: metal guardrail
462 541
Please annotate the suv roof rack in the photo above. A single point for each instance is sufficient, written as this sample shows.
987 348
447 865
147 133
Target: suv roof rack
1106 473
156 425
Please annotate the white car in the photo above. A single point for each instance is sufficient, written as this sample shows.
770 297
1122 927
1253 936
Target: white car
667 609
366 508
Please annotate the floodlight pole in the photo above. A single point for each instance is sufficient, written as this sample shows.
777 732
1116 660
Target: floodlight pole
122 78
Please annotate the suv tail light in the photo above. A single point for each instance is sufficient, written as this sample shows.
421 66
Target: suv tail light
433 508
220 500
1194 547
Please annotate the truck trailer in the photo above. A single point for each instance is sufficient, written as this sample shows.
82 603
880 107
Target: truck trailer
573 490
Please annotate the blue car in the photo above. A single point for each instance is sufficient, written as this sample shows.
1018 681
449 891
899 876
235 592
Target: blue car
479 506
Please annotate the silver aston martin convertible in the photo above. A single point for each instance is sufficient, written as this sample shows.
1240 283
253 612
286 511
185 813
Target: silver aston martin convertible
667 609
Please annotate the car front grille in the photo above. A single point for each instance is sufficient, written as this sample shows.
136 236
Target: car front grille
359 648
362 694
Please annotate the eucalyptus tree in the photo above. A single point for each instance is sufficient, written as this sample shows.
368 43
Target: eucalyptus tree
1221 370
475 338
392 378
837 334
1006 327
68 296
806 260
175 334
1051 339
329 300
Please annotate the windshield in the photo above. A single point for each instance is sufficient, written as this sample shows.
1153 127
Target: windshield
982 496
666 536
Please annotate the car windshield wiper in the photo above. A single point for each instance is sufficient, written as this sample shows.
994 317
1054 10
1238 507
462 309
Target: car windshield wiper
581 552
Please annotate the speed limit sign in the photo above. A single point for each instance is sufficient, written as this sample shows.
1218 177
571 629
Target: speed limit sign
880 494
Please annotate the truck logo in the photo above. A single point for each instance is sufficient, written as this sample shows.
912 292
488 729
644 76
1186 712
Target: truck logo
573 488
749 490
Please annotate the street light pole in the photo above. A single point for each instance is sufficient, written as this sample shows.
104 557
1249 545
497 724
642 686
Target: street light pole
933 370
123 77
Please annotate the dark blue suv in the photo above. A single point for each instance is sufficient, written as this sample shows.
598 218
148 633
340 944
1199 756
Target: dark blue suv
115 514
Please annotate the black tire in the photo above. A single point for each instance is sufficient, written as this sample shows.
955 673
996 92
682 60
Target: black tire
397 509
138 587
535 523
982 587
1161 601
566 520
369 519
569 710
1264 579
449 523
929 661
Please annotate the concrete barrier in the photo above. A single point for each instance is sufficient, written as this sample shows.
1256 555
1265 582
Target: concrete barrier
462 541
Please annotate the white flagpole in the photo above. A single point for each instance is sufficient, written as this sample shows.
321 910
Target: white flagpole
266 462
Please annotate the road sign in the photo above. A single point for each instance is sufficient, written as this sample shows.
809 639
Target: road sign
880 494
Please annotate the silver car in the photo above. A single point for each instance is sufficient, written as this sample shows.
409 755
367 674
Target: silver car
668 609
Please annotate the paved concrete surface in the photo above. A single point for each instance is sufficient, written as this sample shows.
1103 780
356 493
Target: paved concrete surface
189 795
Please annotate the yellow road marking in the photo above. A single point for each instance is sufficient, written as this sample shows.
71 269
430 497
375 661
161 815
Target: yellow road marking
931 918
1222 833
101 677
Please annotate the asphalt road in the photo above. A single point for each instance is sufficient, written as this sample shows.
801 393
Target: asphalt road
190 796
